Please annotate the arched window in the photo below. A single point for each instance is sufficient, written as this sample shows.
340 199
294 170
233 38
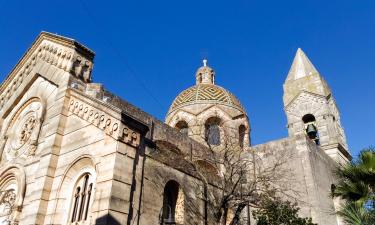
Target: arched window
310 127
200 78
212 132
81 199
241 135
207 168
182 126
308 118
173 204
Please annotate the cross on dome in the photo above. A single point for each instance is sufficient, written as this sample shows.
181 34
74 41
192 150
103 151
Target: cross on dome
205 62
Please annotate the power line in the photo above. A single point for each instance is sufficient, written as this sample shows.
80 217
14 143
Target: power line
110 44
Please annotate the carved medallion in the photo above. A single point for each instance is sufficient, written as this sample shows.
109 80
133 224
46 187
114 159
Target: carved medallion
23 131
22 136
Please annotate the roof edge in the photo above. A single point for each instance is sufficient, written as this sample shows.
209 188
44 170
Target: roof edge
44 35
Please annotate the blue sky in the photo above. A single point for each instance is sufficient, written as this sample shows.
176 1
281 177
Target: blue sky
148 51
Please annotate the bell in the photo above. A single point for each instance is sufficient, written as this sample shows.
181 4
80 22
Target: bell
311 131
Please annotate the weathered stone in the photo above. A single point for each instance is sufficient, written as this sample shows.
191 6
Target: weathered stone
64 139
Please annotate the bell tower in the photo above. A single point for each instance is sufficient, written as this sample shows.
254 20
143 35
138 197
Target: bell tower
311 109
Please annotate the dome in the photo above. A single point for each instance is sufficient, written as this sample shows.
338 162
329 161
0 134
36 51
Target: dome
203 94
207 112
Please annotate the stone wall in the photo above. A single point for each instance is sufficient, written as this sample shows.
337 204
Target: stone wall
309 176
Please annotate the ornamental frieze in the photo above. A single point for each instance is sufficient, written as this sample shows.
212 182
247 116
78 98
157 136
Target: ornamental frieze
17 80
54 55
304 99
111 126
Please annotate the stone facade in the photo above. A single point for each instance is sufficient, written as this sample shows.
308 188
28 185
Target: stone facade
73 153
307 93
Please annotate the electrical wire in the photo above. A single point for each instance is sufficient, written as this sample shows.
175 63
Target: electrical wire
131 71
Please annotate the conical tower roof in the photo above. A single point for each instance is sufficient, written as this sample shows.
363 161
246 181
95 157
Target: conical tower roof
301 66
303 76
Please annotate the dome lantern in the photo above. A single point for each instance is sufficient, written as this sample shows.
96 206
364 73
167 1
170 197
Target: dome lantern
205 74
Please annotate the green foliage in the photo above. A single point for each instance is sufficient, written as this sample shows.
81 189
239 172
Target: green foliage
274 211
356 185
357 179
357 215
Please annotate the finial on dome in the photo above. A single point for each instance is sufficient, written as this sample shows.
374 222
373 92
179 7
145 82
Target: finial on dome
205 74
205 62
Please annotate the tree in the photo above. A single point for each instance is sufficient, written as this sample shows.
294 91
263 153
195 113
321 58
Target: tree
356 185
230 177
242 176
274 211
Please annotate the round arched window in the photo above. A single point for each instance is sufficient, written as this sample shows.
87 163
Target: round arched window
308 118
82 198
241 135
212 131
173 204
182 126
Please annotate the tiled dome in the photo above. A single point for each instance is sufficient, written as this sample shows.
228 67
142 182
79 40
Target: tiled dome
205 94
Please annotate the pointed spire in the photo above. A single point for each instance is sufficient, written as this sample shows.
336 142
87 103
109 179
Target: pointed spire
303 76
301 66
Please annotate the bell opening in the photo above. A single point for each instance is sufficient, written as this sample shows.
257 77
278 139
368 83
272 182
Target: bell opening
311 129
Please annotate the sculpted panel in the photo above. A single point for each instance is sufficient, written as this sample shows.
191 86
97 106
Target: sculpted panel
7 202
12 192
22 134
105 122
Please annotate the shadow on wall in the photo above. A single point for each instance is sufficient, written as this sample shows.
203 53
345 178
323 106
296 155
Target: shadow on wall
107 220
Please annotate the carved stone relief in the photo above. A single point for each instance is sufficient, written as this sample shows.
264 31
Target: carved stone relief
105 122
53 55
12 193
7 202
21 137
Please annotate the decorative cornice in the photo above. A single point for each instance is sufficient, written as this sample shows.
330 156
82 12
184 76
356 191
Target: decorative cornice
68 42
7 89
102 120
54 50
340 147
58 51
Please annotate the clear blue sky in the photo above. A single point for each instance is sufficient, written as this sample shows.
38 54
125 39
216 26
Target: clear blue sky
148 51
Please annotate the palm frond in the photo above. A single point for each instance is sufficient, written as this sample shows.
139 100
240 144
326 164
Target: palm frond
353 214
357 179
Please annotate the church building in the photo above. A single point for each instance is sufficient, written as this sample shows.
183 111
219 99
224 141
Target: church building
71 152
